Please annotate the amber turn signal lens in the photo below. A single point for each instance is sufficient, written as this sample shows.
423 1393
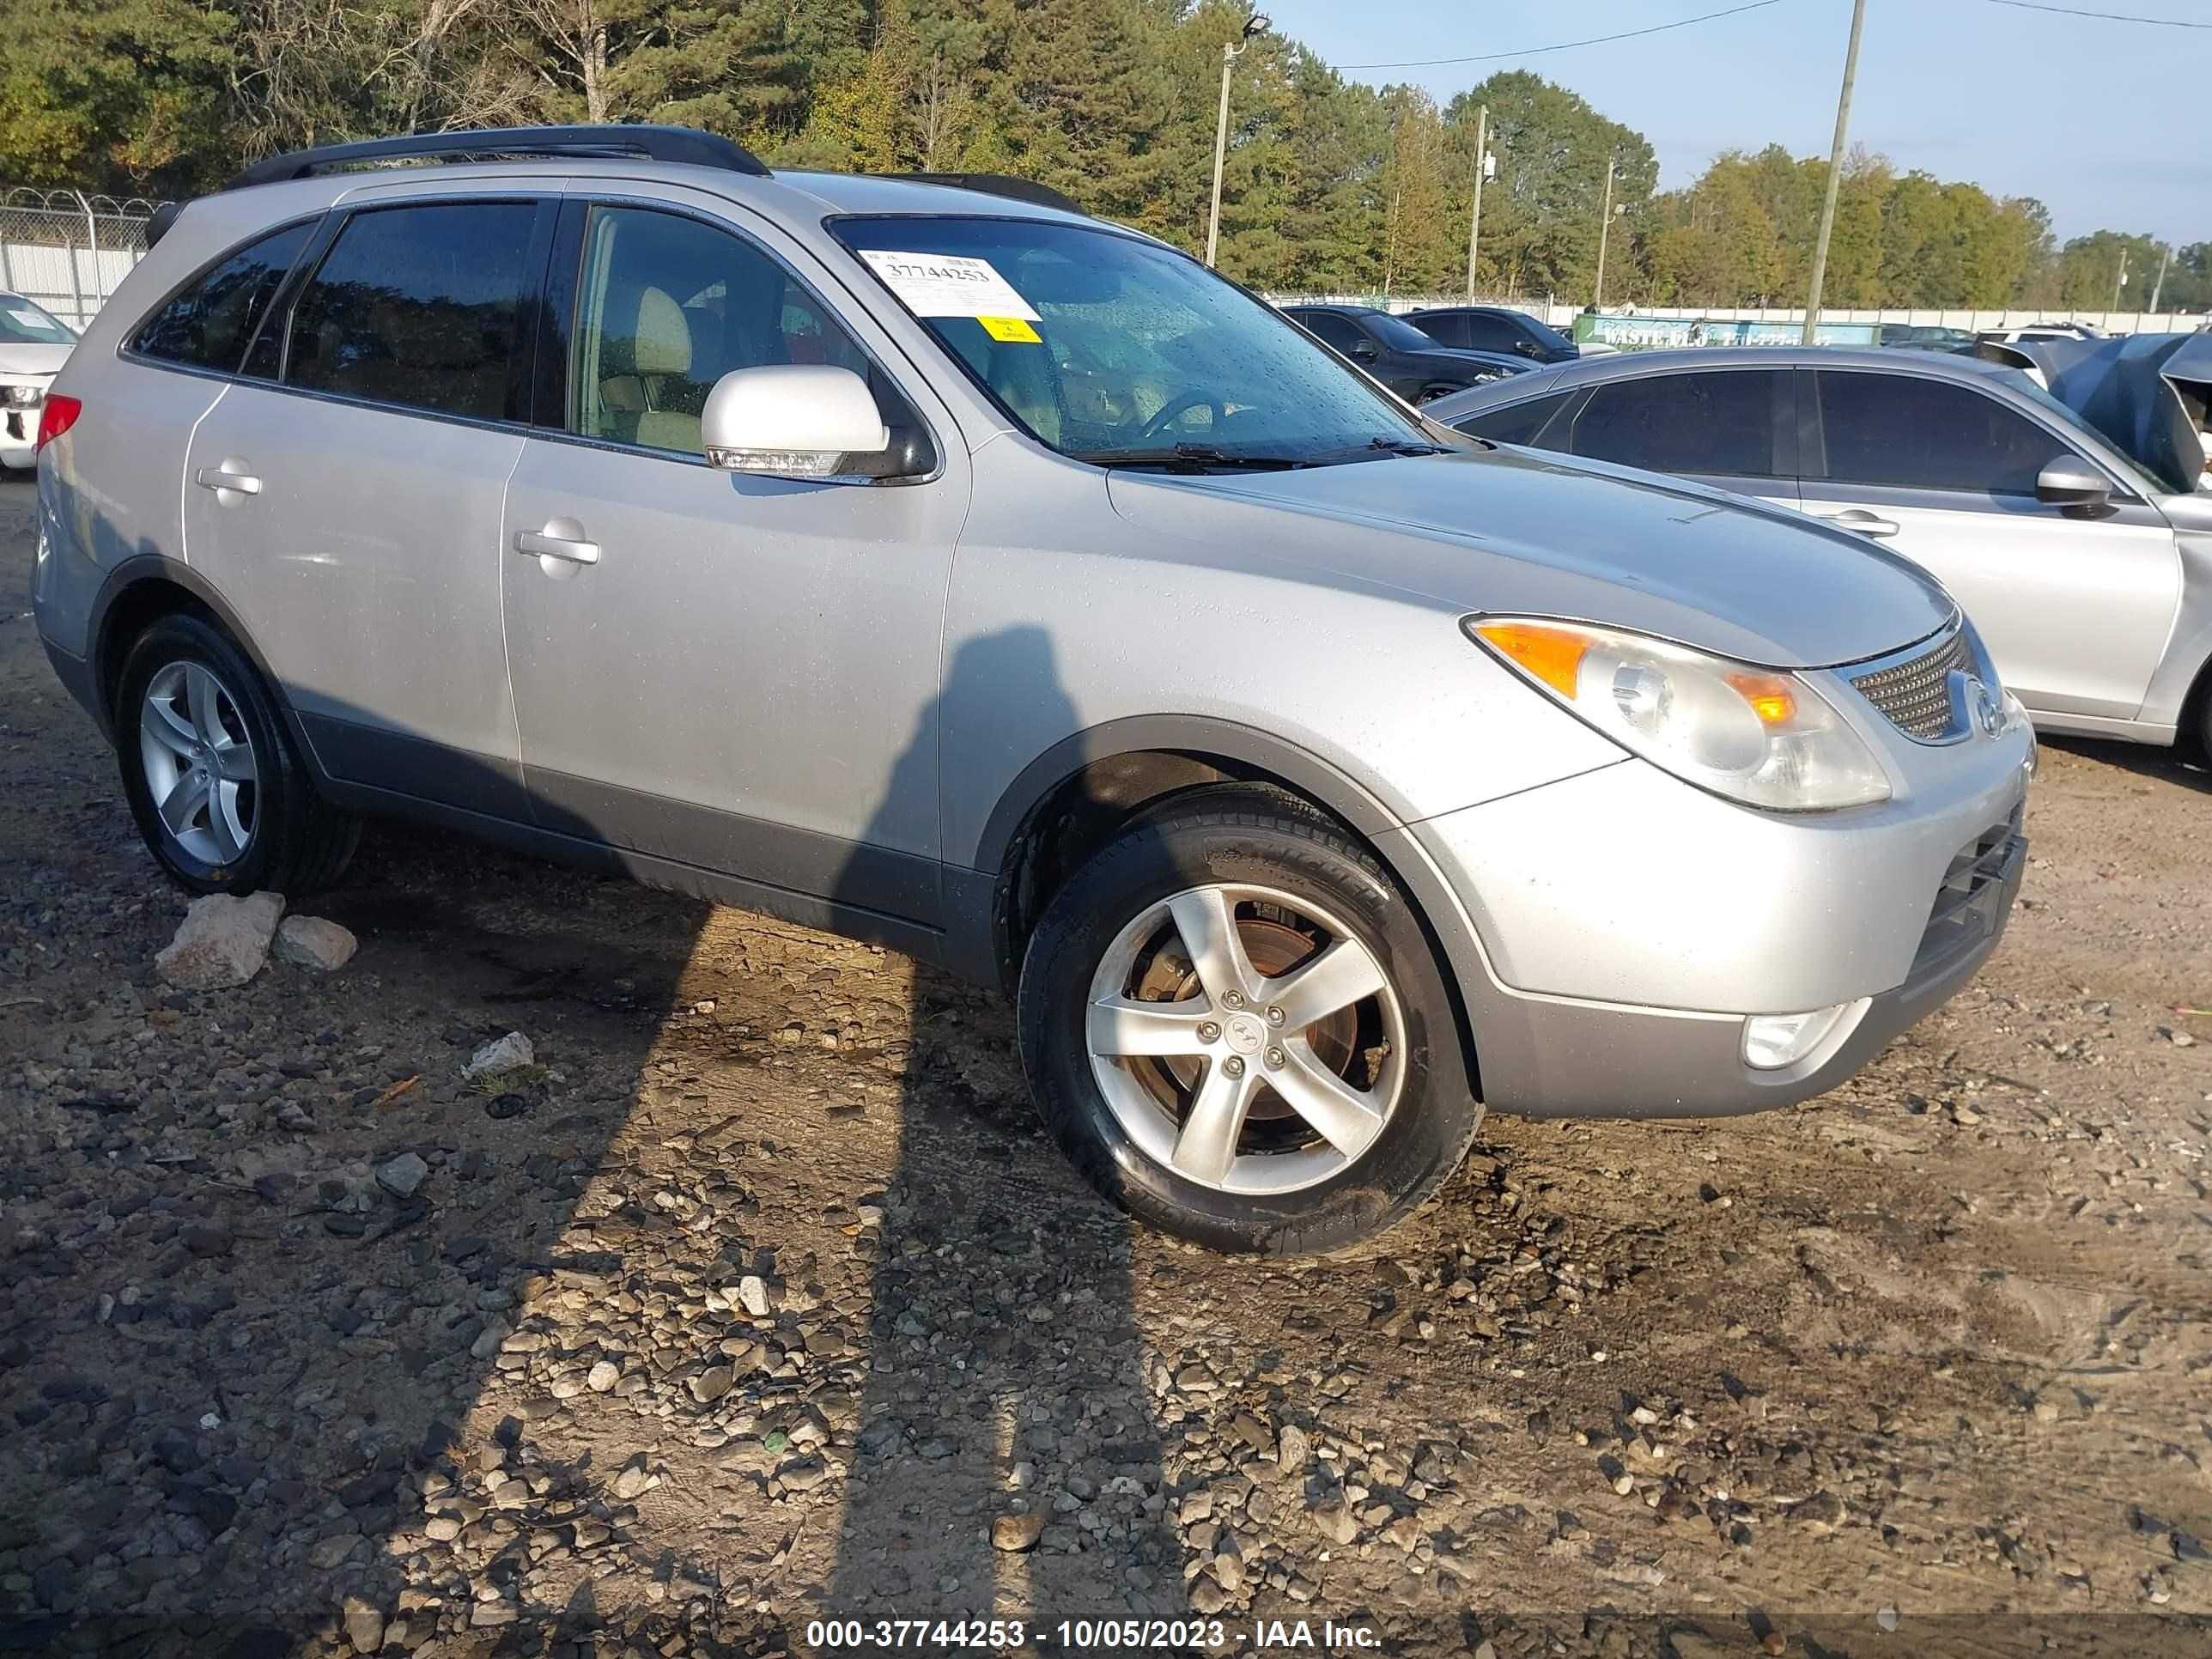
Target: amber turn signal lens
1553 655
1770 697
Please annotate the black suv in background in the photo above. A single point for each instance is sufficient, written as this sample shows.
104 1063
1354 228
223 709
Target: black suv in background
1495 328
1394 352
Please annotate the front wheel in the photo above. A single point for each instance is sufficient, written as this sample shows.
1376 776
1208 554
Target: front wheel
1234 1023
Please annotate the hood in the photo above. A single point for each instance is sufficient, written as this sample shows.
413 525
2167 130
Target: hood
41 361
1444 354
2145 392
1515 532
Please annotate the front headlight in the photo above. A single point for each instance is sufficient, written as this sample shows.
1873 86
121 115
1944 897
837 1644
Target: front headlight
1756 735
21 397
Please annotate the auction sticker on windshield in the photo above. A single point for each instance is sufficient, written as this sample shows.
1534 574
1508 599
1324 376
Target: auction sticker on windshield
949 285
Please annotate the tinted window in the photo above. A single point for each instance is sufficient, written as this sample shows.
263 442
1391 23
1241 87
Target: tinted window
209 323
1395 333
665 308
420 306
1333 327
1521 423
22 323
1445 329
1915 434
1493 334
1711 422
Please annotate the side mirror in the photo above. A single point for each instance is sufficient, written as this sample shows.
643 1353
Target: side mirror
1364 351
2069 483
792 420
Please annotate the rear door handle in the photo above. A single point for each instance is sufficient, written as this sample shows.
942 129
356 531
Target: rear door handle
1865 523
562 538
230 476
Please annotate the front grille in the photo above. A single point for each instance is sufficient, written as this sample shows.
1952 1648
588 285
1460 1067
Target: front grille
1962 916
1916 696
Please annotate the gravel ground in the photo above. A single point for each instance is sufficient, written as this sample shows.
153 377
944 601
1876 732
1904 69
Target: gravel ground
760 1297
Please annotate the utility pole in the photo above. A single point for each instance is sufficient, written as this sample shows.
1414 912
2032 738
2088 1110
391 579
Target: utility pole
1483 166
2122 280
1253 25
1604 230
2158 287
1835 172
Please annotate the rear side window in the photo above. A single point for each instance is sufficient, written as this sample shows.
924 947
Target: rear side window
207 324
422 307
1710 421
1521 423
1910 433
1445 330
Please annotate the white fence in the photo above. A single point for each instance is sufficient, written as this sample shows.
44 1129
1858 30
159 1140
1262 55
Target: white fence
68 251
1562 317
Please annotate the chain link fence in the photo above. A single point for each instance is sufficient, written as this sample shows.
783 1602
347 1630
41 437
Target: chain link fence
68 251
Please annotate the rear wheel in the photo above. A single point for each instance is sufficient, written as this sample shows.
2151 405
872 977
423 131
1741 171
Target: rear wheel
1234 1023
219 794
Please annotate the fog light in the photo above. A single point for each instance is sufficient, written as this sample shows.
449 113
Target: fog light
1773 1041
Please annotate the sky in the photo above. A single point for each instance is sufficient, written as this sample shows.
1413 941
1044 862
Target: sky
2067 110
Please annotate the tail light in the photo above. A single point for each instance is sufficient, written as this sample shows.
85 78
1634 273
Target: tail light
58 416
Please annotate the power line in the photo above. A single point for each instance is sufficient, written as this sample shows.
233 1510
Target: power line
1562 45
2102 17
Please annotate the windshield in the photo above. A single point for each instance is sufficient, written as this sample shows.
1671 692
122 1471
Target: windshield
1551 338
1118 352
22 323
2140 475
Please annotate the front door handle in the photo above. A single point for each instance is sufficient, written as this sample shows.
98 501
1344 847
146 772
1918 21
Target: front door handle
1865 523
228 479
562 538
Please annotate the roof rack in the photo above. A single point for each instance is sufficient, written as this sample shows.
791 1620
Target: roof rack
1003 184
687 145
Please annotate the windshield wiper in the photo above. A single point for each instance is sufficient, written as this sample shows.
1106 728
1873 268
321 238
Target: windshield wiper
1192 457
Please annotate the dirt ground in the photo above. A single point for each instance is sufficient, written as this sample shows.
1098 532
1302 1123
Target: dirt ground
762 1300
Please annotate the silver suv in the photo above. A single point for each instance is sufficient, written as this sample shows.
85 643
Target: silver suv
926 561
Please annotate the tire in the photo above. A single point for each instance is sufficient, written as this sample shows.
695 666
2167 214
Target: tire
1285 1189
275 832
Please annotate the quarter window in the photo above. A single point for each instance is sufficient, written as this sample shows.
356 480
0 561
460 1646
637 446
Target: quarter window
423 306
1911 433
207 324
665 308
1712 421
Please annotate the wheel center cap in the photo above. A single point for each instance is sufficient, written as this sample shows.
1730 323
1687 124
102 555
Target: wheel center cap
1243 1034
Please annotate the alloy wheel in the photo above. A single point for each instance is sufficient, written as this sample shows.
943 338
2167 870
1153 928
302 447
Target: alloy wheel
1246 1038
199 762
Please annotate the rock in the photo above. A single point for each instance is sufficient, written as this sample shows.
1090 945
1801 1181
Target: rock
313 942
404 1175
712 1384
1822 1512
752 1296
634 1479
507 1054
603 1377
222 941
1336 1523
337 1547
1016 1532
364 1624
1293 1449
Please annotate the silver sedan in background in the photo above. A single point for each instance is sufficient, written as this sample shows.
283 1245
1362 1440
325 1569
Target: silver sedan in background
2088 573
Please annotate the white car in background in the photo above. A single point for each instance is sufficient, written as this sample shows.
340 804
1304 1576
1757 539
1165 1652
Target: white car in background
34 344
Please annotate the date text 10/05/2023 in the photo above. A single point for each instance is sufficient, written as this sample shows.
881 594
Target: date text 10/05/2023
1078 1635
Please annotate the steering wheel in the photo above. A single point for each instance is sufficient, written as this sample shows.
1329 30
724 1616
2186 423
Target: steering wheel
1180 406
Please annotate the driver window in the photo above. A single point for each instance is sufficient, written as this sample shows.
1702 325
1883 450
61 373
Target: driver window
667 306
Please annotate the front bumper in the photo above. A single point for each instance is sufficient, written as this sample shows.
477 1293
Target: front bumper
1619 927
